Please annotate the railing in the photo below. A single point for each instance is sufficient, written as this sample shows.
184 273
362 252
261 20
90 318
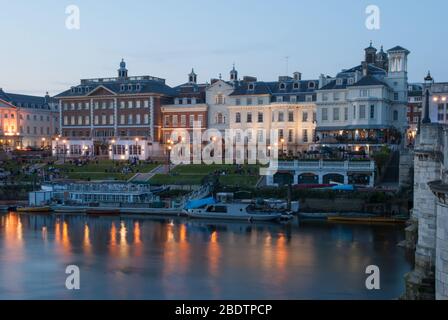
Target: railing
327 165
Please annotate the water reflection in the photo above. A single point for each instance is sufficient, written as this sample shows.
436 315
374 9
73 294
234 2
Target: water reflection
163 258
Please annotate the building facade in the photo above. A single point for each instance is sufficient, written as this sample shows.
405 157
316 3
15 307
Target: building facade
365 107
117 118
414 112
188 108
27 121
286 106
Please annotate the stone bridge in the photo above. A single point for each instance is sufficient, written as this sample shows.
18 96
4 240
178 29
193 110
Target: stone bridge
429 279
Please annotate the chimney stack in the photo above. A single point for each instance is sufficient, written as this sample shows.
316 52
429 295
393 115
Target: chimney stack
297 76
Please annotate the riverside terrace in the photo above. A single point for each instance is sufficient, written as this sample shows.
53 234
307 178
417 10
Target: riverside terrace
322 172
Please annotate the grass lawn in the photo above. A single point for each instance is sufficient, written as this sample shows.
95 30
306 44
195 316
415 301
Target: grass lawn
194 174
104 170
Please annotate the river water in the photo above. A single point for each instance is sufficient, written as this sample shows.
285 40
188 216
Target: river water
161 258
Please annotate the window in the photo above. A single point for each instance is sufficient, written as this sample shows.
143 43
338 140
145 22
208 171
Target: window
279 99
346 114
364 93
296 85
339 82
324 114
175 117
97 120
138 119
146 104
87 120
260 101
280 134
146 119
249 101
304 116
220 119
281 116
135 150
351 81
65 120
395 96
336 96
395 115
103 105
122 104
167 121
200 120
260 135
305 135
249 117
372 111
137 104
260 117
183 120
80 120
220 99
191 120
130 119
282 86
103 119
111 119
309 98
362 111
251 86
238 101
311 85
291 116
122 119
291 135
354 112
293 99
324 97
336 114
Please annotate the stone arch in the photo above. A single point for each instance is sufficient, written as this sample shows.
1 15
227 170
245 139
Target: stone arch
283 178
333 177
308 178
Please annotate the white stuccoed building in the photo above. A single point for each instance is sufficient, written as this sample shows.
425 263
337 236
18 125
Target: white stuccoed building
365 107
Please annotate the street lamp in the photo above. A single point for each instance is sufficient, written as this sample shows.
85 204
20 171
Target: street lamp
113 150
65 148
57 148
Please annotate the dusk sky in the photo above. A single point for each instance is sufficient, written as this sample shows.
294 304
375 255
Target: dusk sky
167 38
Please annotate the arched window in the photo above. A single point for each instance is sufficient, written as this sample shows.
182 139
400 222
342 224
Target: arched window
395 115
220 99
220 119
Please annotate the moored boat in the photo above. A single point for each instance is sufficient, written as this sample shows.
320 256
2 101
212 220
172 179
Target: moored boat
232 211
369 219
102 212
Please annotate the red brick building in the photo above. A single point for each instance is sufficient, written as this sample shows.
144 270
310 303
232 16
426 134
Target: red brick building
187 108
116 117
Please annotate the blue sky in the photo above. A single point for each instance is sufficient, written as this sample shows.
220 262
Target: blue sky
168 38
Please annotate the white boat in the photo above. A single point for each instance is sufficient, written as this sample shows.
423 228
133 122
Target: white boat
232 211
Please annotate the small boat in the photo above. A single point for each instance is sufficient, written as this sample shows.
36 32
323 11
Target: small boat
41 209
370 219
103 212
232 211
69 210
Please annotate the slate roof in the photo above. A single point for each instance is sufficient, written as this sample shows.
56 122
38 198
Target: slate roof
26 101
274 87
369 81
149 85
398 48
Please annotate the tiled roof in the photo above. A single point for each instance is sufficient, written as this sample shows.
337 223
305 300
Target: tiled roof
369 81
287 87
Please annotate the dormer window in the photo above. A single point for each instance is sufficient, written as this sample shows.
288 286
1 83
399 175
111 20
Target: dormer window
130 87
339 82
122 87
351 81
296 85
251 87
311 85
282 86
138 87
